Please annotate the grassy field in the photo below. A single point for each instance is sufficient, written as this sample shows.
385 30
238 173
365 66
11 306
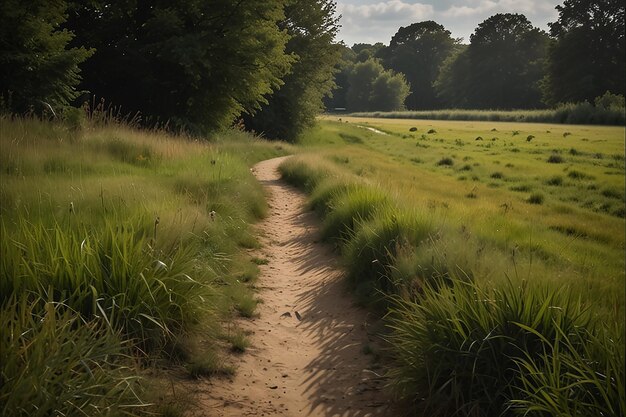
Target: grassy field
121 250
496 250
507 236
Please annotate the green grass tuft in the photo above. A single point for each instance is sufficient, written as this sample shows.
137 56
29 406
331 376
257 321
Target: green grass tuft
536 198
467 350
54 360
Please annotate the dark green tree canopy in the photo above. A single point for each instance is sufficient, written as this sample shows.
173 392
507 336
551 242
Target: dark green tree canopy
416 32
418 51
373 88
312 27
372 49
337 99
587 55
501 68
194 63
36 64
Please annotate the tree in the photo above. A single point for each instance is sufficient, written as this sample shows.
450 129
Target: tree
312 27
587 55
337 98
418 52
194 63
501 68
453 81
36 65
389 92
374 88
365 51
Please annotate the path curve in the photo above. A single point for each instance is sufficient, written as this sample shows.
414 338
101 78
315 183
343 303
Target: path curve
306 356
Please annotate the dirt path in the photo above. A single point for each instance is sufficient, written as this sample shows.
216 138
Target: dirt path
306 357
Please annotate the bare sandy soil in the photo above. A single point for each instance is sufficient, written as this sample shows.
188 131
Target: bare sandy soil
306 357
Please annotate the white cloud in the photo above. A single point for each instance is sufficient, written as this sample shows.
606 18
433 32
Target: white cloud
527 7
371 21
464 11
377 22
388 10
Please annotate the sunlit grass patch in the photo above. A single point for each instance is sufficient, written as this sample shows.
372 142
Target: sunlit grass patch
52 359
467 349
133 233
550 234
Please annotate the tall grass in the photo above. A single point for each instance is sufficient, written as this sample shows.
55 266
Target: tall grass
387 245
373 248
117 243
471 351
110 272
55 363
467 341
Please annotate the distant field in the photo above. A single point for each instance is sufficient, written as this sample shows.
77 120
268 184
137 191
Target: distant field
581 113
551 194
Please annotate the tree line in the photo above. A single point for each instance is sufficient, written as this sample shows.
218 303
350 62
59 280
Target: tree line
198 65
195 65
508 64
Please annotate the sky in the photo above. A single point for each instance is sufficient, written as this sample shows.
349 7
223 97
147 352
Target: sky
371 21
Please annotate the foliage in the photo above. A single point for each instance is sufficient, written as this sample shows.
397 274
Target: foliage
417 51
374 88
361 80
609 101
605 112
389 91
38 69
312 27
365 51
212 60
501 68
337 98
587 39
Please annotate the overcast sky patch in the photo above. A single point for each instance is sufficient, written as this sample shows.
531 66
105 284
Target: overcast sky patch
371 21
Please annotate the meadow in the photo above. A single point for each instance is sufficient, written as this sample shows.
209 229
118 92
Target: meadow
123 251
495 248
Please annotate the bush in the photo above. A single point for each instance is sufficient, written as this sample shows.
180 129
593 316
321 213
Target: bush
371 250
610 101
604 112
466 351
350 209
446 161
577 175
555 159
536 198
328 191
557 180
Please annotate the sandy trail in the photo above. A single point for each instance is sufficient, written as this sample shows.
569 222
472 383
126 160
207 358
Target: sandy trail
306 357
